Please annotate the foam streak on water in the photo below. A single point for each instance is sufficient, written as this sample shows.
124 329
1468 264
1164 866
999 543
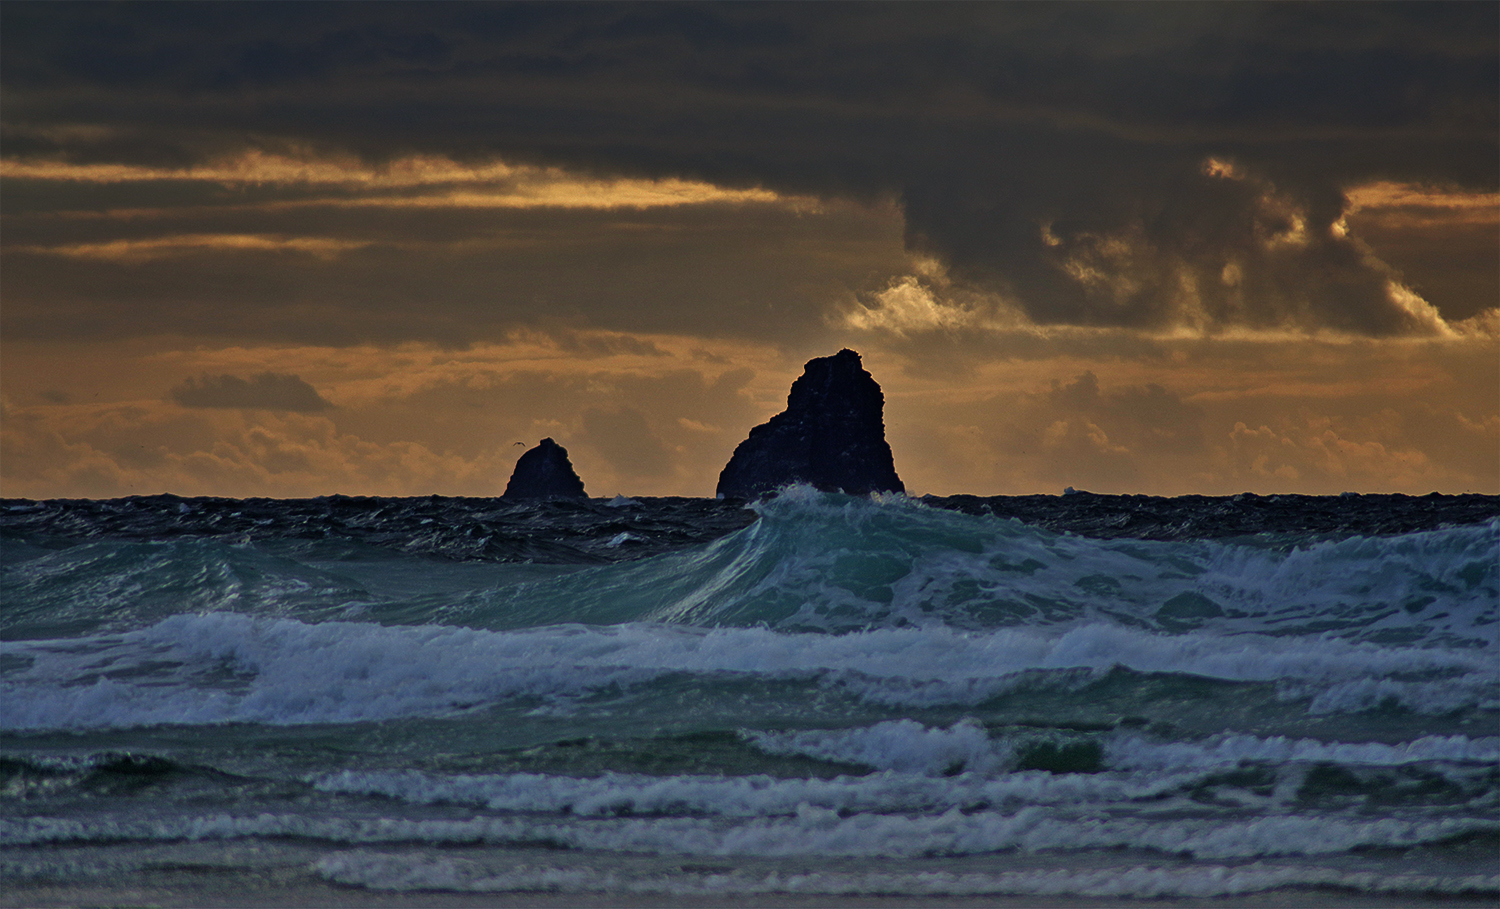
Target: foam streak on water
643 696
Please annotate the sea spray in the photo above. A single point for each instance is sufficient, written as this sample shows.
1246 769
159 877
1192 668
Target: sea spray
675 697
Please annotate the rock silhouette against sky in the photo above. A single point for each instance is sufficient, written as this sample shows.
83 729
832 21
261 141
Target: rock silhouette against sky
831 436
544 472
284 249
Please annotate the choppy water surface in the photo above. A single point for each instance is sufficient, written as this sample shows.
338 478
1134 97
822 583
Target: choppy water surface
1078 695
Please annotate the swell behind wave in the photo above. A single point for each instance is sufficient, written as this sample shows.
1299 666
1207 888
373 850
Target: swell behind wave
818 562
815 562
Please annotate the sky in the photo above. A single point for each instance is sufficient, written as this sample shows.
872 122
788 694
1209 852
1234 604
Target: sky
308 249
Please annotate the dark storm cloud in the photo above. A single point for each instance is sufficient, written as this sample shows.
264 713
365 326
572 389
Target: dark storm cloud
1054 153
445 275
266 391
1451 261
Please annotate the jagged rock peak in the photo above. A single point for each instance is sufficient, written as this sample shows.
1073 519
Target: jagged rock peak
544 472
831 436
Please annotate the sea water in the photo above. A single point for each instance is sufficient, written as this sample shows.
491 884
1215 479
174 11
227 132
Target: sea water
815 694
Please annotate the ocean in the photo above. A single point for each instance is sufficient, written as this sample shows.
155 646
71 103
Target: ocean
1074 698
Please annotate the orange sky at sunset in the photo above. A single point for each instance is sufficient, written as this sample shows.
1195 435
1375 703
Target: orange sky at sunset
297 250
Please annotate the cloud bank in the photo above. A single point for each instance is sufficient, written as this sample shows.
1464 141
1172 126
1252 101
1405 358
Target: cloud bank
1153 166
266 391
1164 247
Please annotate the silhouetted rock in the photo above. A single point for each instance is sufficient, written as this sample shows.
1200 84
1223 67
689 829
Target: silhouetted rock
831 436
545 472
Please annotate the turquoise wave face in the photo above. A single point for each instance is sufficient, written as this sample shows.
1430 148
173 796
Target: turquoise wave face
816 562
882 602
969 704
121 585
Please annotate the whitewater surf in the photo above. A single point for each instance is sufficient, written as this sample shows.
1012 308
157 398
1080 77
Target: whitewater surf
817 695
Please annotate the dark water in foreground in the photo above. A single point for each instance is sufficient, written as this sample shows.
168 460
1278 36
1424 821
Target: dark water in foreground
1050 696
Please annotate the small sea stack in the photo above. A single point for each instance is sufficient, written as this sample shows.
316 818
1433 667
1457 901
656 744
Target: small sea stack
544 472
831 436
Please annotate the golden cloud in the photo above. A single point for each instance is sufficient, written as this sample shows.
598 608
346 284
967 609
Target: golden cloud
187 244
449 184
1386 194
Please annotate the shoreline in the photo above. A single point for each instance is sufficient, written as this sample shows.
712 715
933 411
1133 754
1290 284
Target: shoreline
180 889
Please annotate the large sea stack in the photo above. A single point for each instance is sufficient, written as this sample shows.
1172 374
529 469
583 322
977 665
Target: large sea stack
831 436
544 472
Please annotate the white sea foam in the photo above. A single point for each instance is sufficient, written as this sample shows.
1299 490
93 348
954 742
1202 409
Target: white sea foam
1431 697
908 746
406 872
749 796
811 831
900 745
912 756
226 667
1135 753
927 609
